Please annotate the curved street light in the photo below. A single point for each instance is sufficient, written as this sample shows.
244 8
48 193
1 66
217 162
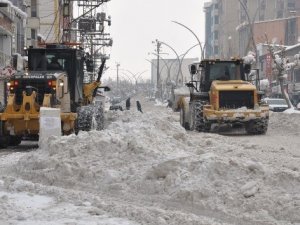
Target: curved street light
181 61
136 76
129 78
179 69
202 49
161 69
166 64
168 72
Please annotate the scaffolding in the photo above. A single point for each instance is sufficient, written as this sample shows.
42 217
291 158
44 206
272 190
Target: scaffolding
87 29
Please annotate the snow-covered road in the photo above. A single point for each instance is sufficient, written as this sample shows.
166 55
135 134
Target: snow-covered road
146 169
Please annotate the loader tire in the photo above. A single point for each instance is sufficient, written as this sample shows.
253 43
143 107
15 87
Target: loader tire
4 141
200 124
183 117
98 117
15 140
258 126
89 117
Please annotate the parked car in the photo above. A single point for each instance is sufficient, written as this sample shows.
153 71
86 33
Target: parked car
276 104
116 107
115 100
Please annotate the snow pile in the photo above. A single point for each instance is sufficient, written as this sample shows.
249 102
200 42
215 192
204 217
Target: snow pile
182 91
98 158
146 169
291 111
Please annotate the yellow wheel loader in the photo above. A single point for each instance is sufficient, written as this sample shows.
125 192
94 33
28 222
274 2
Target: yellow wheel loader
55 79
220 93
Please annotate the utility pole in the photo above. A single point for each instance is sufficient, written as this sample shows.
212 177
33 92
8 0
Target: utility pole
158 83
118 64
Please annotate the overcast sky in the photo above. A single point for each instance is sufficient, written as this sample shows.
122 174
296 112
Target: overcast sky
136 23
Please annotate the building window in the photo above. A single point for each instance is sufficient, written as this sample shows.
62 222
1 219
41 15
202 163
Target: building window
216 6
216 50
33 8
262 9
297 76
216 34
33 34
280 14
216 19
263 5
280 8
291 4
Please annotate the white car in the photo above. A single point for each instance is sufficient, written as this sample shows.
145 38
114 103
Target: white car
276 104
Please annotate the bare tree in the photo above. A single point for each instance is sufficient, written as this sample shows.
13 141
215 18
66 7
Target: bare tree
281 66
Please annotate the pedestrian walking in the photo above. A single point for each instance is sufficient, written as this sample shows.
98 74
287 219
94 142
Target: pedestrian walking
128 103
139 107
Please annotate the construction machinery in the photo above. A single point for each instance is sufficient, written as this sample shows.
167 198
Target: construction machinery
55 79
221 93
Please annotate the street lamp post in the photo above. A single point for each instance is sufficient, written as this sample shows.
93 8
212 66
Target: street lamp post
179 69
124 74
161 69
166 64
158 46
201 48
135 76
118 65
185 55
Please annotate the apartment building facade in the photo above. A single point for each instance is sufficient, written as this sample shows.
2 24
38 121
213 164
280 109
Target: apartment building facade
12 20
44 23
228 32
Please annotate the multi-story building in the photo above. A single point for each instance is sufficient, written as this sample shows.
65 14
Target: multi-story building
220 35
46 20
11 37
268 17
228 30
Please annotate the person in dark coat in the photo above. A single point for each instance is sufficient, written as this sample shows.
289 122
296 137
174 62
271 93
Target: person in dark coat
128 103
139 107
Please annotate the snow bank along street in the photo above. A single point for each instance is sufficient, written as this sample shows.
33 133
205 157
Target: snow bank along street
146 169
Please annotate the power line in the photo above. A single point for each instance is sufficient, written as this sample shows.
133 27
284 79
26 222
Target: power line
52 24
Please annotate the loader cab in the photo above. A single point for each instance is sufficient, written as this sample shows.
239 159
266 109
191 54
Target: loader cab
59 58
205 72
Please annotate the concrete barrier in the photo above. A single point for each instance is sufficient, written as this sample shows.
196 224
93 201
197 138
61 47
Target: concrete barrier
50 125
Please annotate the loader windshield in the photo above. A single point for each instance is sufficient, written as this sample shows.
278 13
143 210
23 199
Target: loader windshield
43 60
220 70
224 71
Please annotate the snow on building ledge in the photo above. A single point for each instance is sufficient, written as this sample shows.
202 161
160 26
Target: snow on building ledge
17 10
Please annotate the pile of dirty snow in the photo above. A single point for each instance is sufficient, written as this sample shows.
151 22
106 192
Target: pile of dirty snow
144 168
